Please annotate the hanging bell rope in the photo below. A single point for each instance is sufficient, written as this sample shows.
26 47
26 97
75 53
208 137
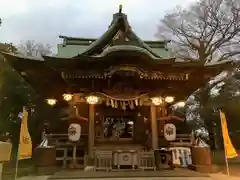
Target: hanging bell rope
123 102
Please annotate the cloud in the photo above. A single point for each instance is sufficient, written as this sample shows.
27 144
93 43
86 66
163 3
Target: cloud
46 19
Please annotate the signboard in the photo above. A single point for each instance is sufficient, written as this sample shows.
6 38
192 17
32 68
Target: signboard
170 132
74 132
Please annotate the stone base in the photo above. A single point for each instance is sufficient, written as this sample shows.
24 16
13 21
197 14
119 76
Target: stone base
46 170
76 166
89 169
201 168
90 161
168 174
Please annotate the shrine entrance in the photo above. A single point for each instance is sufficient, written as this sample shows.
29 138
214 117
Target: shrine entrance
118 127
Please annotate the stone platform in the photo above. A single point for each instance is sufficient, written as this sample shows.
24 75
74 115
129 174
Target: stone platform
78 174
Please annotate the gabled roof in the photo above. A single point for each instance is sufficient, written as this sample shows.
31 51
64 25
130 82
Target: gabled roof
69 40
73 46
121 34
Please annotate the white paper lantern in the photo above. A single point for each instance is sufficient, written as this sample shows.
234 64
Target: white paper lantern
74 132
170 132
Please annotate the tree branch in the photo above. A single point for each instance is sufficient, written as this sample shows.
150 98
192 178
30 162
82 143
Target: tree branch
209 29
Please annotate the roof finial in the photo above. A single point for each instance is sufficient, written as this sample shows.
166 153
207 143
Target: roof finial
120 8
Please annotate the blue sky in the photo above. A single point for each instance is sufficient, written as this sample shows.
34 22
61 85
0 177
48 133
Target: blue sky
45 20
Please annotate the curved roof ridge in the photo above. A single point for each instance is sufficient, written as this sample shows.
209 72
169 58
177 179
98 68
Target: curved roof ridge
144 44
126 48
22 56
112 30
118 23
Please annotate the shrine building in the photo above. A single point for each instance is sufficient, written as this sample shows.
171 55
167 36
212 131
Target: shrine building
119 88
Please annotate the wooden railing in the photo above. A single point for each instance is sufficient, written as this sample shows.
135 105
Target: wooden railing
68 160
63 147
146 160
103 160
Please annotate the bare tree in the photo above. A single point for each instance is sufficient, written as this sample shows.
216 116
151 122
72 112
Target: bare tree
207 31
8 47
32 48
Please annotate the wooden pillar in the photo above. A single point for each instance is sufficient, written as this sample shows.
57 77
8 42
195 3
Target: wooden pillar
153 110
102 125
91 133
162 113
1 167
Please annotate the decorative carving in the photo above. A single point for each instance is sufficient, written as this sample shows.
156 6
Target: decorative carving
126 157
126 71
120 88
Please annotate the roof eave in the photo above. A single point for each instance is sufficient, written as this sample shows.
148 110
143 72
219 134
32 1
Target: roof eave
76 38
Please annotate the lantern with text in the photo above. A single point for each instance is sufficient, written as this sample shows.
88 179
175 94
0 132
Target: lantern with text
67 97
51 102
170 132
74 132
157 101
92 99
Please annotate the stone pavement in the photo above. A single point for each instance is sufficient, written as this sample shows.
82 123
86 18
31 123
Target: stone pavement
78 174
218 176
33 178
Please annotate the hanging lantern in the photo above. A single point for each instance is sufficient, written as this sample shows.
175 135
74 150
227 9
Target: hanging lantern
157 101
74 132
92 99
112 103
136 102
181 104
67 97
169 99
170 132
108 102
51 102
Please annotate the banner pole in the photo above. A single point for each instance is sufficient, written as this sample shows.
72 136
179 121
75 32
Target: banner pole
16 169
225 150
226 159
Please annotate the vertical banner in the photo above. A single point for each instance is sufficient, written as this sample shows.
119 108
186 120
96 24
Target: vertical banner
25 142
230 150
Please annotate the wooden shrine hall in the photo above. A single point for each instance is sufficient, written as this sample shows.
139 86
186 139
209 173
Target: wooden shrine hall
118 88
